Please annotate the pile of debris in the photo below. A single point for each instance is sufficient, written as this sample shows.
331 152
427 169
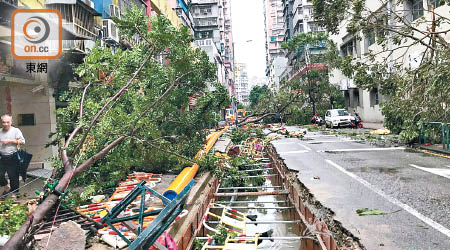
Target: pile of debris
287 133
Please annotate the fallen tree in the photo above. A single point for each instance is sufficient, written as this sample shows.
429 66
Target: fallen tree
129 103
269 104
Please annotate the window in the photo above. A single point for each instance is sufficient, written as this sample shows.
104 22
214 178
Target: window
203 34
370 38
26 120
342 112
347 48
313 27
374 97
436 3
417 9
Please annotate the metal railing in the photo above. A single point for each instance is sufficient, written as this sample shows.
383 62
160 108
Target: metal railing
445 133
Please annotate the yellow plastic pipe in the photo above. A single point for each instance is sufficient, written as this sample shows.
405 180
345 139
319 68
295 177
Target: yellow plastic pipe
188 173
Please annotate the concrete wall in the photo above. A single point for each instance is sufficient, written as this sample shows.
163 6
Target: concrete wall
42 105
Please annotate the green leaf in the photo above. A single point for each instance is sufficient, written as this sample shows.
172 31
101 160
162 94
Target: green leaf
367 211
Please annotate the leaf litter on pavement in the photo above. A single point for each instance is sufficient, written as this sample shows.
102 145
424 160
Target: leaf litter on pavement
367 211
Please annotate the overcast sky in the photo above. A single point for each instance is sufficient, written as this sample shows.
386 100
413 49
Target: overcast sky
248 34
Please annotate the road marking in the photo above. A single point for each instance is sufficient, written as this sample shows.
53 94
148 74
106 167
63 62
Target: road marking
437 171
361 149
305 147
282 143
314 142
318 136
407 208
295 152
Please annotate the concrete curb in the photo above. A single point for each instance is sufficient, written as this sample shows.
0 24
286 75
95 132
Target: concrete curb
435 150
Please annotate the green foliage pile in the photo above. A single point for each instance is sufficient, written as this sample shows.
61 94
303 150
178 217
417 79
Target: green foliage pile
12 216
169 126
239 135
218 239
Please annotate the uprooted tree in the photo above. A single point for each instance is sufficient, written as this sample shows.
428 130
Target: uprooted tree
406 59
270 104
130 107
310 91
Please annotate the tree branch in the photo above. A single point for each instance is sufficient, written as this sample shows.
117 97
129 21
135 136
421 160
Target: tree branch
112 100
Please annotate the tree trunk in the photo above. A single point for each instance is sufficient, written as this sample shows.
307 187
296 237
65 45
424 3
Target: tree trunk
17 241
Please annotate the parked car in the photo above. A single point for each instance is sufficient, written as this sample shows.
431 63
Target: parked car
338 118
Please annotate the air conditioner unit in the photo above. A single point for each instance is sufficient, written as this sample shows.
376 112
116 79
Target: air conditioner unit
110 32
114 10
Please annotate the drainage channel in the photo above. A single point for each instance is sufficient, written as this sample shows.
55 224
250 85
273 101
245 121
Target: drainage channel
273 210
271 207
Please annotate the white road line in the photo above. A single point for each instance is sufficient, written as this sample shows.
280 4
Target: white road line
314 142
407 208
361 149
294 152
437 171
283 143
305 147
319 136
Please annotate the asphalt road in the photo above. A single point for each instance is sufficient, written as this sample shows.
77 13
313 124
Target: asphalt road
413 188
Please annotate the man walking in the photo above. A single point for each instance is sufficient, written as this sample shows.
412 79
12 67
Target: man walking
10 139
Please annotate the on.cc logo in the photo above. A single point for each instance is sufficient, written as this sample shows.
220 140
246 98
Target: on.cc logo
36 34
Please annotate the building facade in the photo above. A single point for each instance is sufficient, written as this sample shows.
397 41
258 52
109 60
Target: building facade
213 33
181 7
274 31
229 47
367 102
241 88
298 16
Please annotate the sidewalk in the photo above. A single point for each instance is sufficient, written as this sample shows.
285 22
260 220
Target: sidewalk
436 148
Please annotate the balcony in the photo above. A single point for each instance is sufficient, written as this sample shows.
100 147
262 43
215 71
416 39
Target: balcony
6 8
206 22
297 71
298 18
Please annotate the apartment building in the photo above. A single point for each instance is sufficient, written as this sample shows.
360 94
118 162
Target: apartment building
299 19
229 46
367 102
181 8
242 90
274 31
212 22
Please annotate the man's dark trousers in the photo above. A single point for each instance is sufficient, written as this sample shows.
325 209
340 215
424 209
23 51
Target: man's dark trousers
10 165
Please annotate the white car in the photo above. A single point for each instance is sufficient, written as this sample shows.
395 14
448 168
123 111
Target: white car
338 118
